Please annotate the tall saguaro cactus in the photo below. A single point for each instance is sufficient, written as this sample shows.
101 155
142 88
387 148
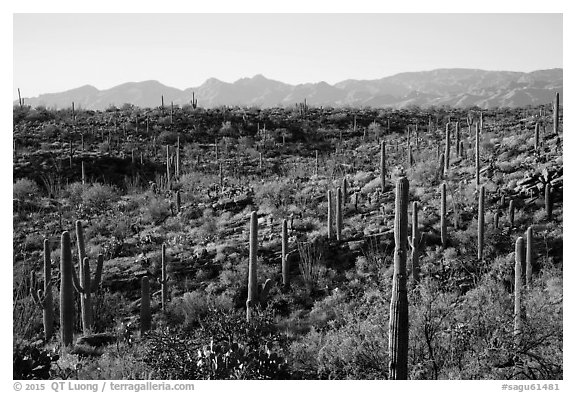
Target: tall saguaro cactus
518 287
537 137
481 224
477 155
252 267
529 257
511 212
398 324
382 165
556 113
85 286
338 214
458 152
145 317
443 225
285 267
330 216
164 279
66 291
414 242
447 150
43 298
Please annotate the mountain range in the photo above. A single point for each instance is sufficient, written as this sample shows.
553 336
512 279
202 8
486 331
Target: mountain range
455 87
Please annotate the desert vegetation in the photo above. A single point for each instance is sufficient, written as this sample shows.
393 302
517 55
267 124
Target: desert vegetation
287 243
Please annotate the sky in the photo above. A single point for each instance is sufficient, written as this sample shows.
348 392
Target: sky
57 52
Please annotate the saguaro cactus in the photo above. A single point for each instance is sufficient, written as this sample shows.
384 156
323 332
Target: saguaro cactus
178 158
443 225
477 156
168 165
382 165
447 150
556 113
529 257
496 219
518 287
398 325
85 286
330 217
537 137
83 174
66 290
338 214
414 242
285 267
344 192
252 266
511 212
145 317
548 201
458 151
43 298
164 279
481 224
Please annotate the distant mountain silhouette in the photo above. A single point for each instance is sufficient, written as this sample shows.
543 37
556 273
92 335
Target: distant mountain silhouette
456 87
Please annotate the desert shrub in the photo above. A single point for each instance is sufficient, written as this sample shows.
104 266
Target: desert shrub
225 346
353 346
167 137
156 210
25 190
98 197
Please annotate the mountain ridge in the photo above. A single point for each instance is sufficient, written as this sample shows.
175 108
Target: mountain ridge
458 87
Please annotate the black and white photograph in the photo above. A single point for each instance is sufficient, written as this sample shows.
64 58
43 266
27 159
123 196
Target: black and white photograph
258 195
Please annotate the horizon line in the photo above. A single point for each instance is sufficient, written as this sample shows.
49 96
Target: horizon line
276 80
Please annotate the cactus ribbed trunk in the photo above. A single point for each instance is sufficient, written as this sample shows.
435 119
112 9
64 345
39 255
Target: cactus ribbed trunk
477 156
285 267
443 224
178 158
481 224
458 147
447 150
330 217
529 257
81 255
398 324
518 287
382 165
66 291
87 309
83 173
168 165
145 317
415 242
338 214
511 212
556 113
537 137
164 282
252 266
344 192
